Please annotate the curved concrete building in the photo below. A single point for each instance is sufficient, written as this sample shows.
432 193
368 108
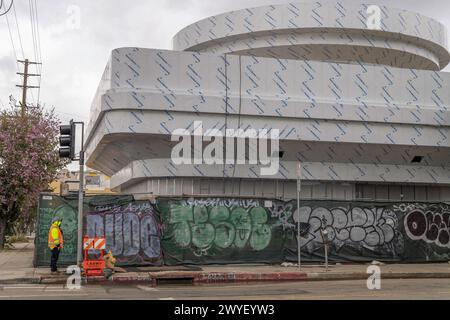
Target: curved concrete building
355 91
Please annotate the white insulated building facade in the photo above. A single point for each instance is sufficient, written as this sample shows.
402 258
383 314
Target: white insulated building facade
363 106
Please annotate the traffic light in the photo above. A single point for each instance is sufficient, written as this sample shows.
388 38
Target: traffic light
67 141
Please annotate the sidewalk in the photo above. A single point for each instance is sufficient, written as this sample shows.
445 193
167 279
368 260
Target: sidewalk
16 267
16 264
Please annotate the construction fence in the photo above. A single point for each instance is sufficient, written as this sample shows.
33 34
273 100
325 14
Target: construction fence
174 231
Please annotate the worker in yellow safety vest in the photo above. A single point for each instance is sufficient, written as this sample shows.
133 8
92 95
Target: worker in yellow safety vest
55 242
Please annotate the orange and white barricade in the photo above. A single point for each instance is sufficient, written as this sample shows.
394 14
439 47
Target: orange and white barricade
94 267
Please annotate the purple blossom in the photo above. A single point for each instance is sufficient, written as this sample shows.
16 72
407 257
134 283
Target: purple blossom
29 160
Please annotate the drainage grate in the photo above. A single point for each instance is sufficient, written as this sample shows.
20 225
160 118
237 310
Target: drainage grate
177 280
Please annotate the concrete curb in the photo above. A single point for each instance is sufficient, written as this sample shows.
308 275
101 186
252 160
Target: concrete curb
330 276
201 277
20 281
213 277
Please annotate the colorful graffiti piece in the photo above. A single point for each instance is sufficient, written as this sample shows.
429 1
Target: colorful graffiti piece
203 227
49 207
132 232
131 228
216 230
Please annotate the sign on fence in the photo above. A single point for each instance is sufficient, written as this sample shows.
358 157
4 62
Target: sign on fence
94 243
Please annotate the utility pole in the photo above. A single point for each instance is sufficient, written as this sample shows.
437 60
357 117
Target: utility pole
67 150
80 199
299 187
25 85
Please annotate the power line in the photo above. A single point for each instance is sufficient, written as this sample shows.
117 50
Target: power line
1 6
33 36
18 31
37 30
56 110
36 47
71 114
39 48
36 41
33 31
20 38
12 42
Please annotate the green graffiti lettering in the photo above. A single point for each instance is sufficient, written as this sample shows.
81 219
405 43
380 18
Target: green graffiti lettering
203 227
203 235
202 232
261 232
181 216
243 224
200 214
225 231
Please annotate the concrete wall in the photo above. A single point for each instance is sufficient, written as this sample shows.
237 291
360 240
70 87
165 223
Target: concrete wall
287 190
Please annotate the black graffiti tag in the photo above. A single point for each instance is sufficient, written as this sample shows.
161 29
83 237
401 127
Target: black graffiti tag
370 227
431 227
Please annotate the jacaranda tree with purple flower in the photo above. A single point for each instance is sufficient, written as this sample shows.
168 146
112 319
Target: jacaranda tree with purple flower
29 161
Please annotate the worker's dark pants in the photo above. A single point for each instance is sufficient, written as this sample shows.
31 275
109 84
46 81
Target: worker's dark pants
54 259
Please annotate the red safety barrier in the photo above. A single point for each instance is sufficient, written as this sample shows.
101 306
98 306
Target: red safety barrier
94 267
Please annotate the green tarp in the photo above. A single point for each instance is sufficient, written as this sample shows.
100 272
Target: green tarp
223 231
219 231
66 208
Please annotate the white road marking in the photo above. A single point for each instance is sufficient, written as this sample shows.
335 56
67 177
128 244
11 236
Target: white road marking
168 298
41 295
57 290
146 288
19 287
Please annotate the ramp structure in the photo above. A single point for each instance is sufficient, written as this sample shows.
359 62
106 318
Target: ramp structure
355 90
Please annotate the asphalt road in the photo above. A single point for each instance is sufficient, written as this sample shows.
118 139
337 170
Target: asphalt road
390 289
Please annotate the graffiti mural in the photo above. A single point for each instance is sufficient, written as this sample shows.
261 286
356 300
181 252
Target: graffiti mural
222 231
429 223
49 207
353 232
131 228
132 232
214 230
368 226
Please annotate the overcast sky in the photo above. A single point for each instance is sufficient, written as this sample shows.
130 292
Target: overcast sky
74 55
